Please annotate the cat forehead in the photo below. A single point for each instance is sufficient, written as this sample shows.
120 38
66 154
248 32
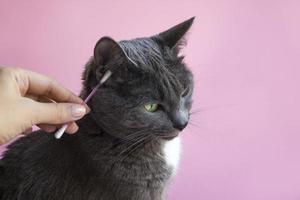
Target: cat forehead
147 53
151 56
157 65
159 86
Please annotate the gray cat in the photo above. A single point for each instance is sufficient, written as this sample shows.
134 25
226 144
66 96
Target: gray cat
128 147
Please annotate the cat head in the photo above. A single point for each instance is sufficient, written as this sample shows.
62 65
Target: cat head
149 93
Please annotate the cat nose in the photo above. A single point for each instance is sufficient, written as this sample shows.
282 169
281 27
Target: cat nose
180 125
180 120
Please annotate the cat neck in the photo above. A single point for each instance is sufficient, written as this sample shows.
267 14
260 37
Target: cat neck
88 127
101 146
91 132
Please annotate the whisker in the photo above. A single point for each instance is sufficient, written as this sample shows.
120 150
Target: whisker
138 140
196 125
132 135
209 108
136 146
141 138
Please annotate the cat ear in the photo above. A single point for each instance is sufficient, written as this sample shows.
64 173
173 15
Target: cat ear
173 35
106 50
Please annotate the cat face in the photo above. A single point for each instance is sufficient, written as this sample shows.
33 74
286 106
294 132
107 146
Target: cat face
150 91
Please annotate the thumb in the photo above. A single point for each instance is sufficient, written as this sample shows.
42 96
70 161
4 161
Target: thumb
57 113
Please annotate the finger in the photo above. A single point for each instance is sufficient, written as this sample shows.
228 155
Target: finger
27 131
41 85
72 128
39 98
47 128
56 113
31 96
44 99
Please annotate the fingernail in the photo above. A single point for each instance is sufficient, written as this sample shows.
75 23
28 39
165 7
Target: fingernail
78 111
88 110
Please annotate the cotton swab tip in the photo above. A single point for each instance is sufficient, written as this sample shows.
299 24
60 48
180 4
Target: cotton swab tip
105 76
61 131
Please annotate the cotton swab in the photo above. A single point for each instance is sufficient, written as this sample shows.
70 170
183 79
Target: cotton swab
106 75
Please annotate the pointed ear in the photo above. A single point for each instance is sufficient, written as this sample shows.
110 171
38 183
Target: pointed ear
106 53
173 35
106 50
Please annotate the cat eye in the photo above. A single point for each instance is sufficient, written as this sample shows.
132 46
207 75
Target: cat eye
151 107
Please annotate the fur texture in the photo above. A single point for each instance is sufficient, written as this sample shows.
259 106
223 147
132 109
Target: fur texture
121 151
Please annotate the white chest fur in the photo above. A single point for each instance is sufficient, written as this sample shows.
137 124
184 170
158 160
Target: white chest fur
171 151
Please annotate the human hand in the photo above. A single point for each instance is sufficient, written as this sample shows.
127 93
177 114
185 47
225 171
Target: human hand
28 98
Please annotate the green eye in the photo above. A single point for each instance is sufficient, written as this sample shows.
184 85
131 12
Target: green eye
151 107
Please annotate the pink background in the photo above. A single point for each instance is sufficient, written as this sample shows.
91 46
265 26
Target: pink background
244 143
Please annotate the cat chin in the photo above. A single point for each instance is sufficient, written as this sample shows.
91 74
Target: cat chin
171 135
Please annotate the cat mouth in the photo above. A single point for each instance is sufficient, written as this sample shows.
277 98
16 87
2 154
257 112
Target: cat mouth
170 136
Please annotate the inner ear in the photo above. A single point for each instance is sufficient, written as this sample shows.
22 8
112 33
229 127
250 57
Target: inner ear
106 50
